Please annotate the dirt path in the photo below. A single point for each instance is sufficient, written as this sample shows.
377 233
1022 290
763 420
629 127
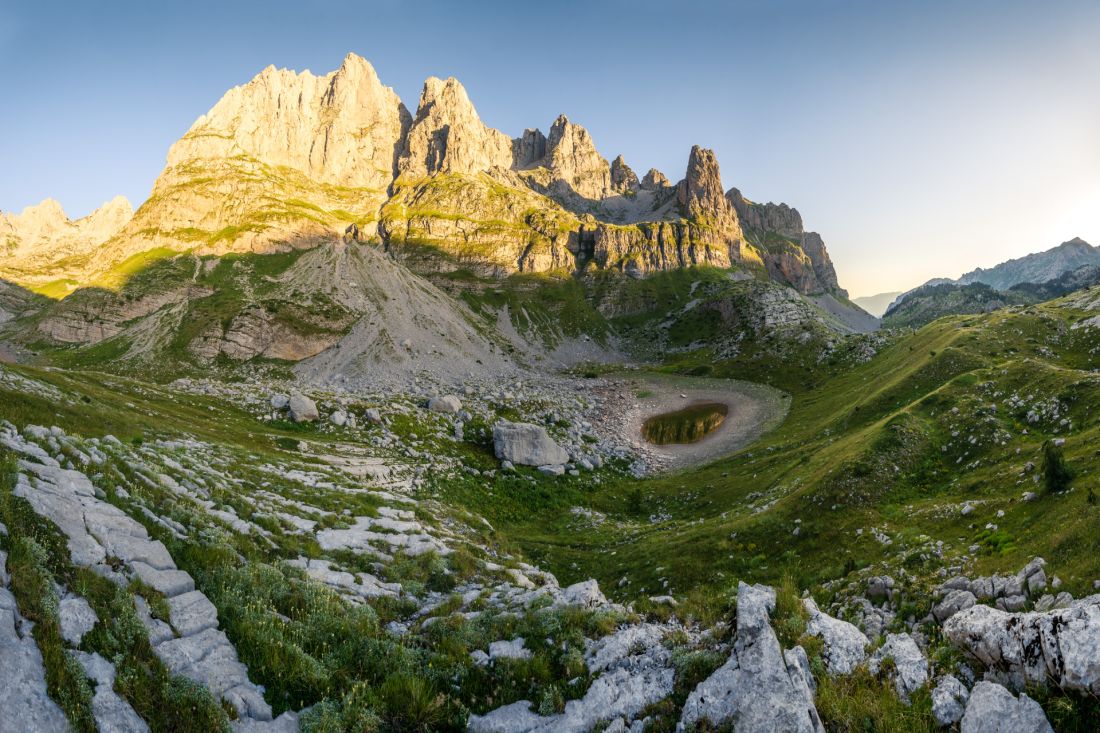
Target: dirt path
754 409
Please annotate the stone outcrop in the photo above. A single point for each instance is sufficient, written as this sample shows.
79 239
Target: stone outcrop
757 687
1059 647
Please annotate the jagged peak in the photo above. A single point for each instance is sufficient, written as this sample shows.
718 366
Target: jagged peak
623 177
654 180
47 207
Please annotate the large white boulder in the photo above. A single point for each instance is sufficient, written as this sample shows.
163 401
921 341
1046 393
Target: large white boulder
993 709
448 404
1059 647
302 408
526 444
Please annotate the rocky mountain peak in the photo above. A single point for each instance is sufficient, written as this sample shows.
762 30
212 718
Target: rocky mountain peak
574 162
654 180
447 135
700 194
343 128
623 178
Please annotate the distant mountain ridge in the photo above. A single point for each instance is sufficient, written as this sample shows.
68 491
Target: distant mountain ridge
984 290
1038 267
877 304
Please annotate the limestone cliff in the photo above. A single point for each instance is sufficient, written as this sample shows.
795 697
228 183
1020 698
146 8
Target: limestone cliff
791 254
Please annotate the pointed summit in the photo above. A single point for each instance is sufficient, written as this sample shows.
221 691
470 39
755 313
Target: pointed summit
574 162
448 136
623 178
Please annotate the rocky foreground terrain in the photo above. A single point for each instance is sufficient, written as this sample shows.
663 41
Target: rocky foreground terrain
340 430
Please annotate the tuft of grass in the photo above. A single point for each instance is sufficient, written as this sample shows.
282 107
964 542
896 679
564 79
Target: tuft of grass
861 702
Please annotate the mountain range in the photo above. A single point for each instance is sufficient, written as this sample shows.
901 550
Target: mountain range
308 157
315 220
1030 279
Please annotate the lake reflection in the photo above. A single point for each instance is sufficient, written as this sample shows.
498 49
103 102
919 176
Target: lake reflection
688 425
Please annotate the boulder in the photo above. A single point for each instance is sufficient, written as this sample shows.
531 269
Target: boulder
845 645
339 418
586 594
993 709
910 666
527 445
514 649
952 603
757 688
447 404
949 701
302 408
373 416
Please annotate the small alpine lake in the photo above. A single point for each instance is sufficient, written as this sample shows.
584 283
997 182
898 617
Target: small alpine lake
686 425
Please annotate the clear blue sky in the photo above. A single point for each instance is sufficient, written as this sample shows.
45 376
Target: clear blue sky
920 139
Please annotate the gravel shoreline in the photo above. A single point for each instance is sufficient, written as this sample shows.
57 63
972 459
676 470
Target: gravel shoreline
754 409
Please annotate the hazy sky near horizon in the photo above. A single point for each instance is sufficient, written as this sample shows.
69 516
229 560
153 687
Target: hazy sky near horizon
921 139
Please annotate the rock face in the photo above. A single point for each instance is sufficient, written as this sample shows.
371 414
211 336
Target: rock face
757 688
1060 647
447 135
344 128
993 709
701 198
526 445
574 163
791 253
623 179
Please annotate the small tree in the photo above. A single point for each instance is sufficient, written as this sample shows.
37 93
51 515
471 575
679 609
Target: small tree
1057 474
